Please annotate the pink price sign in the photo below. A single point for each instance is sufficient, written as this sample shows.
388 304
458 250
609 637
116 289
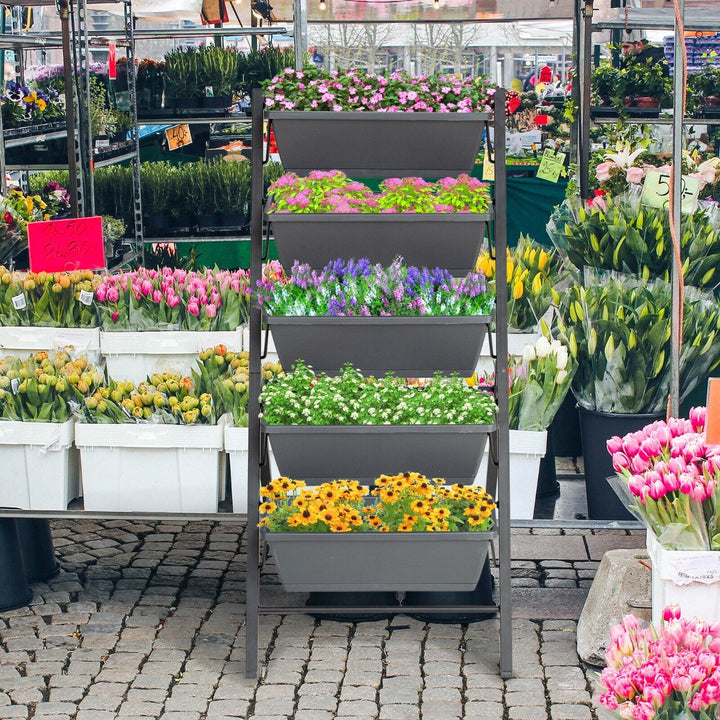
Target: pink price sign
66 245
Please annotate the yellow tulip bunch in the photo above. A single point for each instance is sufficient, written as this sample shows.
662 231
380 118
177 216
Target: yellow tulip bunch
532 273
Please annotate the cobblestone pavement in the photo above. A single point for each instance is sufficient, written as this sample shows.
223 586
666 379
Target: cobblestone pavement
145 620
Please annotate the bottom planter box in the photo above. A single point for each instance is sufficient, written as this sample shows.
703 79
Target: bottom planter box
236 446
319 453
136 355
21 341
152 468
40 468
527 449
354 562
689 578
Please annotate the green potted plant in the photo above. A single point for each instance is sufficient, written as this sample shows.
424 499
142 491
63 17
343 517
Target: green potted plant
202 194
218 75
231 190
643 85
420 535
416 321
327 215
604 84
258 66
156 193
352 426
182 78
372 125
704 89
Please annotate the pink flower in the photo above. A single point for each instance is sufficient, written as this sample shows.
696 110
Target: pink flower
115 316
635 175
210 310
113 294
602 171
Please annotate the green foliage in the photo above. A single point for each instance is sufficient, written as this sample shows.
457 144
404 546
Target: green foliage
219 69
182 74
258 66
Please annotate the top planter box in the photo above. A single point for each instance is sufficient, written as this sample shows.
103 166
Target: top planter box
379 144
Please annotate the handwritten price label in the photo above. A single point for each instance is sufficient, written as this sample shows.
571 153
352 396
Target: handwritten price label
657 189
551 165
66 245
177 136
488 168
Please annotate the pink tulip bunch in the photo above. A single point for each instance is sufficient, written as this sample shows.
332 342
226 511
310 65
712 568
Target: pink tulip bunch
668 672
170 299
672 477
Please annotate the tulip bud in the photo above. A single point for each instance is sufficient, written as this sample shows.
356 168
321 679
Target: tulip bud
542 347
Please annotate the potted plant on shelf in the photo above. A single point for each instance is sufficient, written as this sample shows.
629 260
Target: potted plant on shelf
604 85
231 192
156 193
618 331
218 75
643 87
327 215
377 126
420 535
37 428
416 321
182 78
667 475
149 84
704 90
323 427
155 446
258 66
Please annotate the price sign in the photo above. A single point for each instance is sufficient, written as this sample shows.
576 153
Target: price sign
712 417
177 136
657 189
551 165
65 245
488 172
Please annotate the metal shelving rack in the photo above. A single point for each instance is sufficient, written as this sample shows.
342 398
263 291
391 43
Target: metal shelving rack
499 439
81 135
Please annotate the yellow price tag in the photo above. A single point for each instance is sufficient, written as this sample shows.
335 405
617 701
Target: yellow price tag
657 189
551 165
177 136
488 171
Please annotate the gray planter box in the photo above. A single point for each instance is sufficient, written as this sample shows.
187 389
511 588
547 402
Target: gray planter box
320 453
449 241
378 144
354 562
410 346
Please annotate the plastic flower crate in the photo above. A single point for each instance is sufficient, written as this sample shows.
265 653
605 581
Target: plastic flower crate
152 468
689 578
136 355
527 449
41 469
21 341
236 446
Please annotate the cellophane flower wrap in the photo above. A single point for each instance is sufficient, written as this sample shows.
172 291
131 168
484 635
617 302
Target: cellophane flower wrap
618 329
356 89
63 299
409 502
171 299
621 234
359 288
670 672
669 478
226 376
302 397
333 192
532 274
46 387
539 382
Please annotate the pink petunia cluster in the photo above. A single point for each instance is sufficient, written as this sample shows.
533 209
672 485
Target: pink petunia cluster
668 672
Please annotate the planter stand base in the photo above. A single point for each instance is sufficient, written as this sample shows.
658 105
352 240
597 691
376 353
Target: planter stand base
14 590
319 600
37 549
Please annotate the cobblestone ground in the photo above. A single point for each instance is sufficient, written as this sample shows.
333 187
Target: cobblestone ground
145 620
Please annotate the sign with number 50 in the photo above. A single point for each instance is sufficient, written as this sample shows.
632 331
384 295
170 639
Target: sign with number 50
657 189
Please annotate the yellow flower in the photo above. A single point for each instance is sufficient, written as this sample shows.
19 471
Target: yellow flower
404 527
537 283
267 508
542 259
340 527
517 289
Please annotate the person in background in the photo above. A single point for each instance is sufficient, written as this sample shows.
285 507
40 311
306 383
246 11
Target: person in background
636 48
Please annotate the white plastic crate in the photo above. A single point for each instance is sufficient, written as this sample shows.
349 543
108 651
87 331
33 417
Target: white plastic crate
516 345
21 341
687 577
136 355
236 446
527 449
40 467
152 468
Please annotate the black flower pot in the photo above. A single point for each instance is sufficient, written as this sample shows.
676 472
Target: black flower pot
596 428
156 225
233 220
37 549
208 220
14 590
